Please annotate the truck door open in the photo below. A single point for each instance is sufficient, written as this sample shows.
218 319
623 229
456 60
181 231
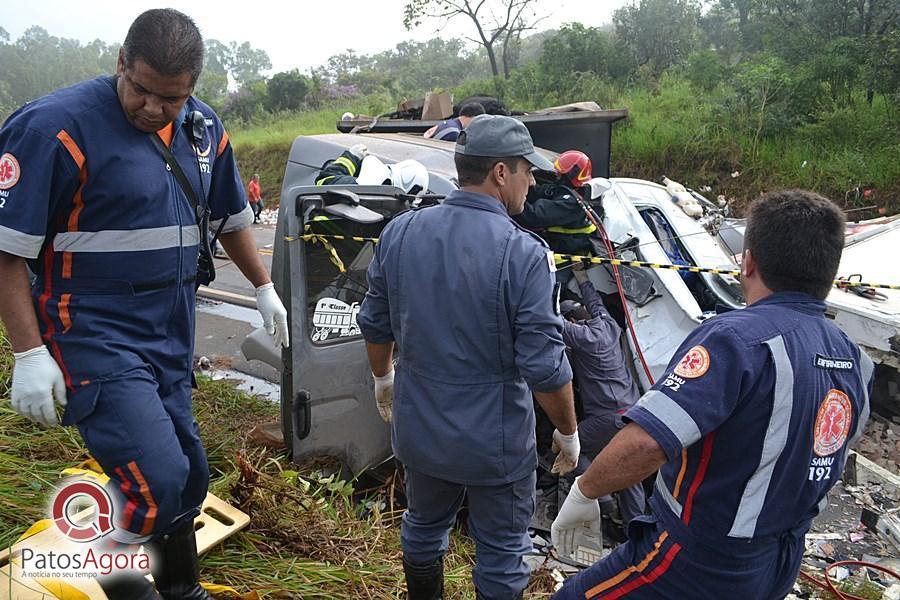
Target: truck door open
323 248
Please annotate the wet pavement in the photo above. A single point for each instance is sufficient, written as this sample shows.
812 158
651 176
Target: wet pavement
226 314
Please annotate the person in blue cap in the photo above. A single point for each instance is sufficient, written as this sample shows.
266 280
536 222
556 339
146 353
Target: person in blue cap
604 386
466 296
749 428
94 206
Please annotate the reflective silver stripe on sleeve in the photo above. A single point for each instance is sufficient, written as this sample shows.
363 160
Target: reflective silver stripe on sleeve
666 495
866 368
754 495
234 222
128 240
20 244
675 418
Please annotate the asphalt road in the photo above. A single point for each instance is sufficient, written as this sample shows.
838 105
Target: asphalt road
226 314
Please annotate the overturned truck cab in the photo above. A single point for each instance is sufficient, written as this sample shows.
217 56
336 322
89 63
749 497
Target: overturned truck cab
325 239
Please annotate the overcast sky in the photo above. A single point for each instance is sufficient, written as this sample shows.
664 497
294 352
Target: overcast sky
298 34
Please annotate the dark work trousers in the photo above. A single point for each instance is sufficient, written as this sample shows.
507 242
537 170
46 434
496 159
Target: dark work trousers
498 521
658 563
594 433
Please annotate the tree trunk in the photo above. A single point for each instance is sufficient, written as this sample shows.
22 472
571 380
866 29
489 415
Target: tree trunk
492 57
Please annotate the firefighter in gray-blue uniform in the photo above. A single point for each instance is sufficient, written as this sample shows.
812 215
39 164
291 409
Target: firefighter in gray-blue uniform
468 297
603 382
749 428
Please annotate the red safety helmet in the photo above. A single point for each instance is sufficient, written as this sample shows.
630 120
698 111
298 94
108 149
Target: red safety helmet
574 166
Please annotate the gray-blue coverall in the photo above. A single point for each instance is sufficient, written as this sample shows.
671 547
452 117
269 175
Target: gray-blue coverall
605 386
467 295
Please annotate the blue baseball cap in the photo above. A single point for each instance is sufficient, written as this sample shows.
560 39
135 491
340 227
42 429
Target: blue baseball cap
499 136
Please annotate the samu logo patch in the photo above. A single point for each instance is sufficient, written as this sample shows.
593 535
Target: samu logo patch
694 364
9 171
832 423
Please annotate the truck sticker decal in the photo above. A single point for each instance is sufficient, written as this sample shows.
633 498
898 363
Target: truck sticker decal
334 318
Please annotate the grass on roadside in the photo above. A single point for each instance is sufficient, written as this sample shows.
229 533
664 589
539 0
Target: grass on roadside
307 538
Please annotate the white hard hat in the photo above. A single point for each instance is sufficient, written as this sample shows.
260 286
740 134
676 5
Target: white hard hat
373 172
406 174
409 175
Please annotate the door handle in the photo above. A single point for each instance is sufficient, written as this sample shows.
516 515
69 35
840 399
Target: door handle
302 414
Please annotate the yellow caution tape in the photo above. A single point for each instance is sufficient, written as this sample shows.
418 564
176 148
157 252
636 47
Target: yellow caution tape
312 237
323 239
647 265
611 261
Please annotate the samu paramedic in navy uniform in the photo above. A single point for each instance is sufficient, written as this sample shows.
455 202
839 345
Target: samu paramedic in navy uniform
749 428
467 296
108 327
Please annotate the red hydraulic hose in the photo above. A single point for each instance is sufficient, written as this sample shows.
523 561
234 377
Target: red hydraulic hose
609 248
828 584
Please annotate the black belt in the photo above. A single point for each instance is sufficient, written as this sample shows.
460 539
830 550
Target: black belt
160 285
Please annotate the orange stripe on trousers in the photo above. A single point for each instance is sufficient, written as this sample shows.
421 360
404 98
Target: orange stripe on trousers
652 576
150 518
631 569
64 311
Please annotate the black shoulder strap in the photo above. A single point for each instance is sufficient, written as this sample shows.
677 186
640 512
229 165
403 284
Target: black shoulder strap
179 174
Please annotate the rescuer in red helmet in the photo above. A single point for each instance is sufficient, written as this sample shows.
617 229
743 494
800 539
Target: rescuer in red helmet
554 211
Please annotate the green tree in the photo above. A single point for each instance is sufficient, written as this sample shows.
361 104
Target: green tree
38 63
246 103
240 62
499 24
658 33
248 63
761 85
286 91
580 49
704 69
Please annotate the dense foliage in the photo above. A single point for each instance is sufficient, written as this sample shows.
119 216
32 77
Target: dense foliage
786 92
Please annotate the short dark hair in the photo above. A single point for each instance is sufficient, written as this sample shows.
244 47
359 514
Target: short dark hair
796 238
491 105
471 109
578 313
473 170
166 40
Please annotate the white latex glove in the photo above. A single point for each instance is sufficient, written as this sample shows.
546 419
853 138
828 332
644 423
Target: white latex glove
569 447
273 313
384 395
36 382
360 151
577 511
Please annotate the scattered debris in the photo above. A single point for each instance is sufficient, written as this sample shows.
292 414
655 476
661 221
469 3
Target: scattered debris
269 216
268 435
881 444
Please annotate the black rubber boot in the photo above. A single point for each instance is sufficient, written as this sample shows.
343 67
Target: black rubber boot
176 570
128 587
424 582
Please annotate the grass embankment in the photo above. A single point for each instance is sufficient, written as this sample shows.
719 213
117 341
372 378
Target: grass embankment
264 147
689 136
306 538
675 132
